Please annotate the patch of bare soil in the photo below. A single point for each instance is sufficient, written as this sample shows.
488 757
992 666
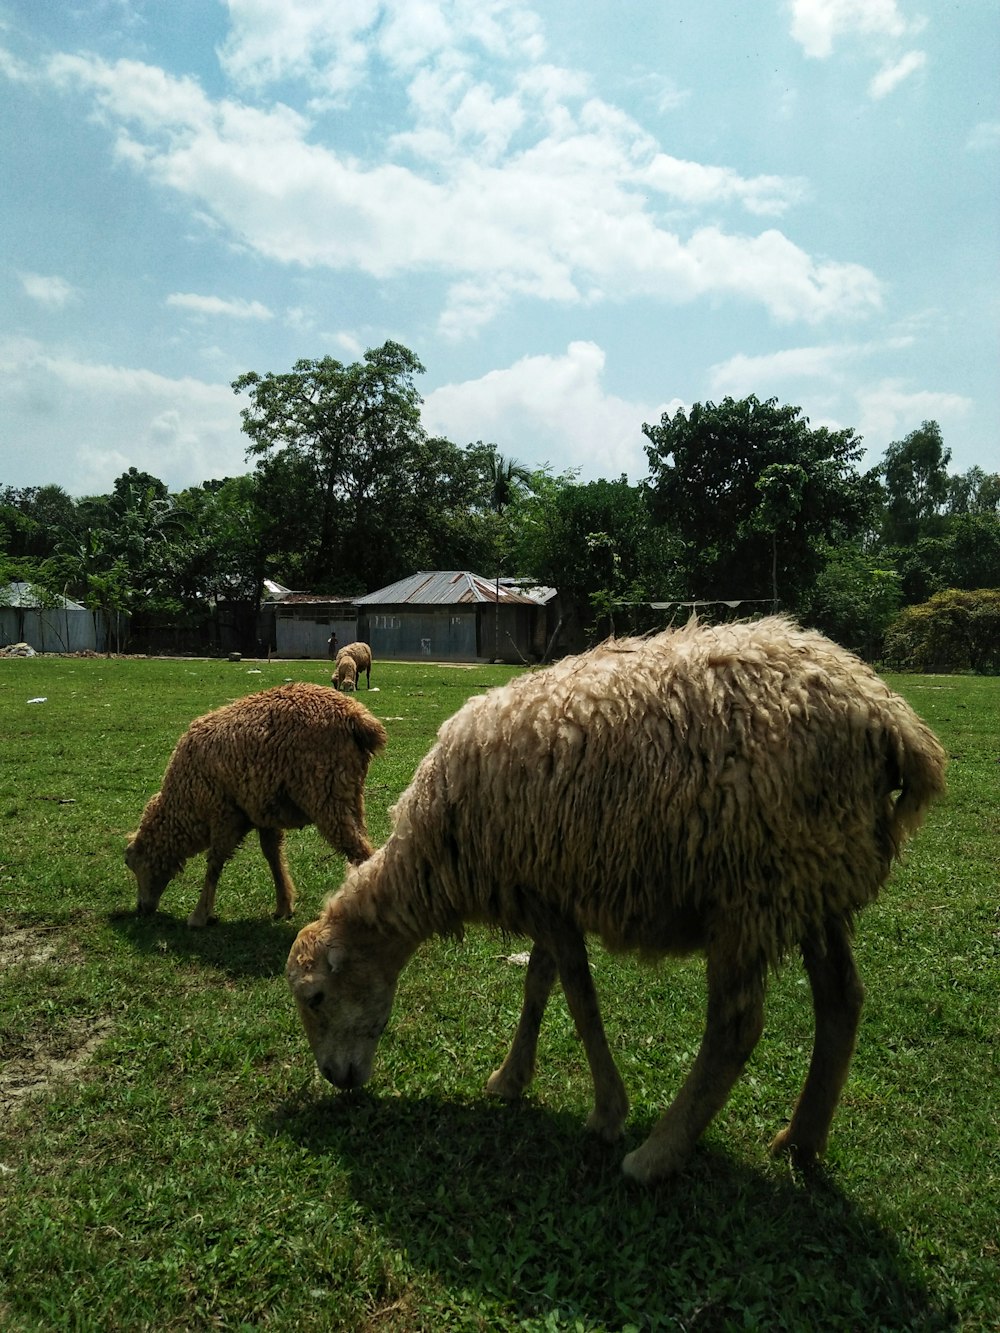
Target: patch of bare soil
33 1063
27 947
41 1066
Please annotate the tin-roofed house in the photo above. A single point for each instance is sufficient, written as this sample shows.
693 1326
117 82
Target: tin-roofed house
48 623
304 624
449 616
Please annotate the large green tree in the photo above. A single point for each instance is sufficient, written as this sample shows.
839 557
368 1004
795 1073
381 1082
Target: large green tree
974 492
337 449
128 553
596 544
755 496
35 520
225 556
915 475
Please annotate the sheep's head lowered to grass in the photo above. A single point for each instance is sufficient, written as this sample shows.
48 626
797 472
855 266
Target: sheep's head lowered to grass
343 977
152 873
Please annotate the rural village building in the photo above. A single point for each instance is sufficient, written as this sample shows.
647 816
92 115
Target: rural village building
451 616
49 624
299 624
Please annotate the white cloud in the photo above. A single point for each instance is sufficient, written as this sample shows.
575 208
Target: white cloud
664 92
742 375
332 47
297 39
217 305
49 290
831 363
696 185
17 71
985 137
97 420
817 24
549 409
831 383
889 410
571 217
892 74
788 282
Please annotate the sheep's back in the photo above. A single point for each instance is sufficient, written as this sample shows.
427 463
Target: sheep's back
359 653
271 750
655 789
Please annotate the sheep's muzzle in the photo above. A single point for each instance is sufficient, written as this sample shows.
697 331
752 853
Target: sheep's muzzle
345 1078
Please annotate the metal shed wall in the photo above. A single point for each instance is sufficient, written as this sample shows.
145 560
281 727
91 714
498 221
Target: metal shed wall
55 630
304 633
463 633
444 634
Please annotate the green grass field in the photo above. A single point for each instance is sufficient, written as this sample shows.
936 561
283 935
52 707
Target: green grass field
170 1159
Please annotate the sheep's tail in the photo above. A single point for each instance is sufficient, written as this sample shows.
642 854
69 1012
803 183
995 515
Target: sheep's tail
369 732
920 763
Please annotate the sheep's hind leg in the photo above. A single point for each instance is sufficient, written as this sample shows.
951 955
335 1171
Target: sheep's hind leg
735 1022
272 844
514 1075
610 1098
837 999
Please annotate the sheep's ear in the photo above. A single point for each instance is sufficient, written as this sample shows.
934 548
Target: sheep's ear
335 956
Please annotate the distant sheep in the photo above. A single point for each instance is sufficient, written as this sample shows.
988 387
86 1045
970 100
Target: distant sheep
352 659
739 790
286 757
345 677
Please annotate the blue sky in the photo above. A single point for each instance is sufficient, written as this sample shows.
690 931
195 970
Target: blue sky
577 216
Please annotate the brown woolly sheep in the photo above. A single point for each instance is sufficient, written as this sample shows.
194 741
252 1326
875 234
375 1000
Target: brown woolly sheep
286 757
740 790
352 659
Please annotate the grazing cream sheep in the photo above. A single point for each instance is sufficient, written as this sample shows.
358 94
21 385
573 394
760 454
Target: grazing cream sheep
739 790
345 677
286 757
352 659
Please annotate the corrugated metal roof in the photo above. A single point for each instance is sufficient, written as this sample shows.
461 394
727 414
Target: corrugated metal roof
443 588
23 595
316 599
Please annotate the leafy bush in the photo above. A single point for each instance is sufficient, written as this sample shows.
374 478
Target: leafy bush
854 599
954 630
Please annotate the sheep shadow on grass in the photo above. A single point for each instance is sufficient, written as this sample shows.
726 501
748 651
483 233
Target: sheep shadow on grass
519 1206
240 948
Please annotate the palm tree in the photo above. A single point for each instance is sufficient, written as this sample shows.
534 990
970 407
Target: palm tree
507 479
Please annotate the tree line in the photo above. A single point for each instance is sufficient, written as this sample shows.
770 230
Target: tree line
744 502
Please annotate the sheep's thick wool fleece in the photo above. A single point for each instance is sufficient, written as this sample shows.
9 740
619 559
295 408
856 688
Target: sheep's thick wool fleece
747 780
276 754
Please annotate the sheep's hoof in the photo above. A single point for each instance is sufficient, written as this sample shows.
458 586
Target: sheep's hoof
649 1163
196 920
802 1155
502 1084
607 1125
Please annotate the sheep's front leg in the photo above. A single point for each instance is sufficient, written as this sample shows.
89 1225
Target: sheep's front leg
735 1022
343 826
204 912
272 844
610 1097
514 1075
225 838
837 998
